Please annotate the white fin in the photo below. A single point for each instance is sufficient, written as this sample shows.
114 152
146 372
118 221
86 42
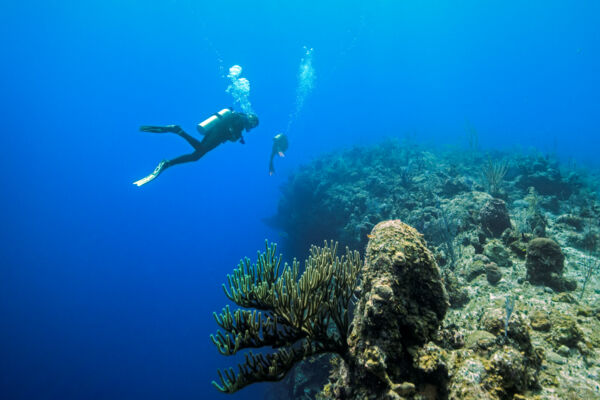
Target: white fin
152 176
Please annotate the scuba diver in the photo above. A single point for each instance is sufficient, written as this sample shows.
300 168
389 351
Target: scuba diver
280 145
225 125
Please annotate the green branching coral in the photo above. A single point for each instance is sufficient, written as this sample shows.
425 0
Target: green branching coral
299 315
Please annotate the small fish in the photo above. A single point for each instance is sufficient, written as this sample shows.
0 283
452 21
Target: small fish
370 236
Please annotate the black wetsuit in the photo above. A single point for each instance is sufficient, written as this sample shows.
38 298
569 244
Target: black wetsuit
280 145
228 130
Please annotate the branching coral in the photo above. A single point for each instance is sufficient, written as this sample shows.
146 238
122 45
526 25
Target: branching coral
492 174
299 315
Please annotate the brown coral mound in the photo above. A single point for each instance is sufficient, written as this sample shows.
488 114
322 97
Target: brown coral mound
545 263
494 217
402 305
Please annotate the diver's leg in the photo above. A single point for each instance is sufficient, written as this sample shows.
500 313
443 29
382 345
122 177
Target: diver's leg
166 164
271 166
160 129
195 156
169 163
195 143
176 129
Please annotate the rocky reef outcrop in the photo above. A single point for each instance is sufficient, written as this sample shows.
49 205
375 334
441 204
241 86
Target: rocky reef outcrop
401 306
522 324
494 217
545 264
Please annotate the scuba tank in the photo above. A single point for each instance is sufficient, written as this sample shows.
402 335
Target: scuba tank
205 126
280 142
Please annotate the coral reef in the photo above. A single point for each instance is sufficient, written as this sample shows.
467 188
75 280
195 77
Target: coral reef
301 315
402 304
494 217
492 174
515 329
545 263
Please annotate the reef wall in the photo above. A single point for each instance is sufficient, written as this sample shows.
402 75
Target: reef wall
515 235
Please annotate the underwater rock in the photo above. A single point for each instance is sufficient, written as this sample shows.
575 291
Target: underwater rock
586 241
585 311
467 383
517 243
495 251
564 298
494 321
475 238
511 362
457 293
480 340
494 217
450 337
431 359
509 373
305 380
573 239
402 304
565 331
540 321
493 273
563 350
479 265
475 268
546 182
545 264
454 186
495 364
571 220
555 358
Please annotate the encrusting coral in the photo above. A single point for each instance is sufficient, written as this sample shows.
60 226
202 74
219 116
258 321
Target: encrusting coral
402 303
299 315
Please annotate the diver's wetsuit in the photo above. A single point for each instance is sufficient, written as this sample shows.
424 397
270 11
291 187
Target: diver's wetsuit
280 145
230 128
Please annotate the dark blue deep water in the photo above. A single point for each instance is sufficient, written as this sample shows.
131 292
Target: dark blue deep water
106 289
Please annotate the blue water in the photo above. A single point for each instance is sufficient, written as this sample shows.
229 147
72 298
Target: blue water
106 289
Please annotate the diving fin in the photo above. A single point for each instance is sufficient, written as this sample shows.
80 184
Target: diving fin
153 175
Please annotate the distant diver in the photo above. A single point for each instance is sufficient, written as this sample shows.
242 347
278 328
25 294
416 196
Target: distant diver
225 125
306 81
280 145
